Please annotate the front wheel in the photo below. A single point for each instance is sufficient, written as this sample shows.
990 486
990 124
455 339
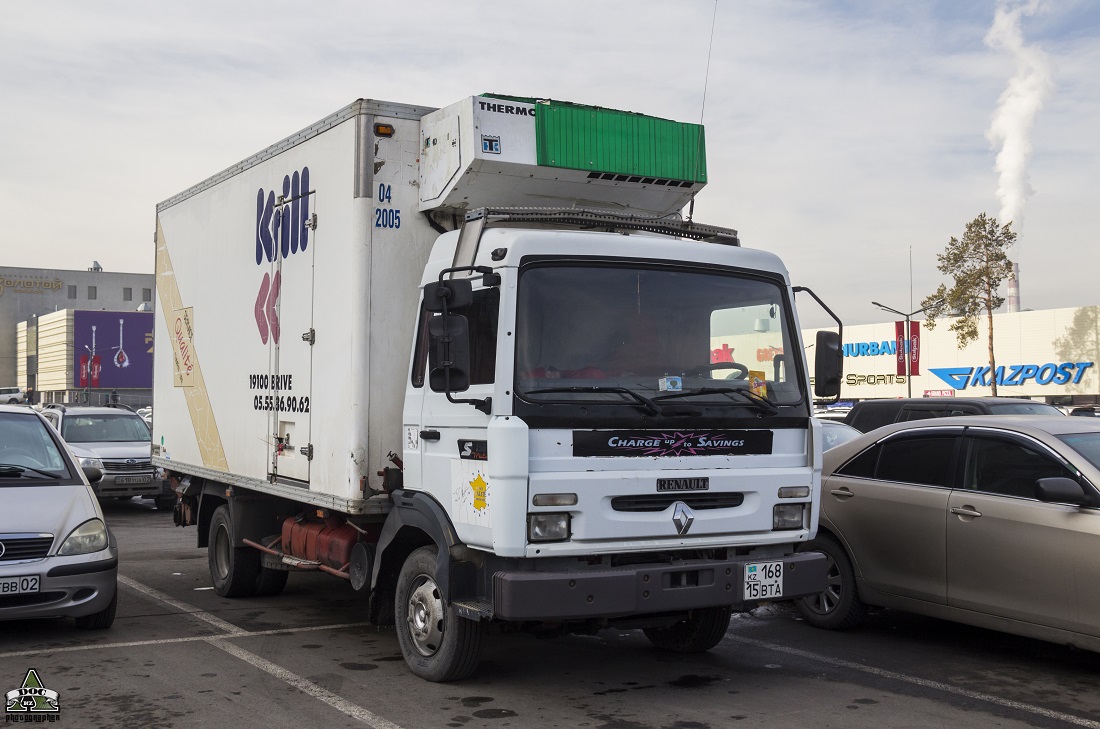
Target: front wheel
701 631
838 606
101 620
437 644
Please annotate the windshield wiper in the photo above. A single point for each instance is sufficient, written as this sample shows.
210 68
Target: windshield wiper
12 469
759 401
648 406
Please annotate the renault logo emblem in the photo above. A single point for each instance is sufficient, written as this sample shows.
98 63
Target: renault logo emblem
682 517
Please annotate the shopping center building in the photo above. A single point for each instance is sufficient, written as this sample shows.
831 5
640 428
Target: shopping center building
1051 355
53 321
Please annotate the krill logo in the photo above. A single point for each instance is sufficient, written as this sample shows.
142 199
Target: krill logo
282 229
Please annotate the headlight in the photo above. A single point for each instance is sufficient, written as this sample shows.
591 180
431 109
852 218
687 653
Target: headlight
91 536
787 516
547 527
91 462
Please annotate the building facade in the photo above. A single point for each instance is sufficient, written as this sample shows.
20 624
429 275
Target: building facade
1051 355
27 294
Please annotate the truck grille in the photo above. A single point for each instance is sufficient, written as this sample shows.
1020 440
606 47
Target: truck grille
660 502
24 546
123 466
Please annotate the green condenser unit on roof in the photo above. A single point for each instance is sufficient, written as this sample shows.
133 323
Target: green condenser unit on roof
617 144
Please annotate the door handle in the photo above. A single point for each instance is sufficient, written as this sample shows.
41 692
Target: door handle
965 511
429 435
842 493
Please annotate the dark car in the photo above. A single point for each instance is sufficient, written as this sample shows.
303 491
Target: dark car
870 414
1087 411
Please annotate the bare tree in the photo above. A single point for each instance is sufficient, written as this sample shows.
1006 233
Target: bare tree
978 264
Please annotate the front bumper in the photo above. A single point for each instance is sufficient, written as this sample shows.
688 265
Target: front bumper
69 586
646 588
110 486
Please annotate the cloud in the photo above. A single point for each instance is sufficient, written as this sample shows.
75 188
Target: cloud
840 134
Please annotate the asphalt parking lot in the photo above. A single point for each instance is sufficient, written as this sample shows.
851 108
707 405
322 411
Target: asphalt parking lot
180 656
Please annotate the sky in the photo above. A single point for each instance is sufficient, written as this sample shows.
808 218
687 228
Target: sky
853 138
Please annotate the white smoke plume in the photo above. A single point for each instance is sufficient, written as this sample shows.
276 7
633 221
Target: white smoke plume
1029 87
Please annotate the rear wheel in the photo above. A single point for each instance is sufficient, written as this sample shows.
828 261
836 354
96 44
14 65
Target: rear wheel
838 606
700 632
437 644
235 571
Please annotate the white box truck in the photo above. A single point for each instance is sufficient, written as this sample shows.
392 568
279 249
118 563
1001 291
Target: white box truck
473 361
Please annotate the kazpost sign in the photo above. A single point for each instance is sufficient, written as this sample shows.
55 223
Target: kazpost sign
1013 375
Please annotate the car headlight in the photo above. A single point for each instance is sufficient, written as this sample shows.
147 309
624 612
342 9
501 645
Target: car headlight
91 536
787 516
547 527
91 462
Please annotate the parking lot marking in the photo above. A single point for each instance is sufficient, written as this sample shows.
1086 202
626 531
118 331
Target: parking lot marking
187 639
305 686
194 612
923 682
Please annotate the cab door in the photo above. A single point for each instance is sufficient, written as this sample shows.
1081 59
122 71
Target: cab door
454 448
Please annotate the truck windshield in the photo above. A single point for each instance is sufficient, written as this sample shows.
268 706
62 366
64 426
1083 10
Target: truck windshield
587 331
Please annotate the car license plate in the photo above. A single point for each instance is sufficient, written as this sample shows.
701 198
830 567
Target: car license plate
763 580
18 585
133 479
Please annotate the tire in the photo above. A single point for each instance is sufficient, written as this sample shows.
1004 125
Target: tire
437 644
702 630
271 582
165 503
839 606
234 571
101 620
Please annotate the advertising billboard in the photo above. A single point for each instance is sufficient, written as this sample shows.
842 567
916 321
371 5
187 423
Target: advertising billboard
113 349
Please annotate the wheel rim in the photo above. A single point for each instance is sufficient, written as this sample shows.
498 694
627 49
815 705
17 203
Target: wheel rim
425 615
827 600
221 552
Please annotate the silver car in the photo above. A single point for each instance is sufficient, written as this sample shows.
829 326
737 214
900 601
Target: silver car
57 558
992 521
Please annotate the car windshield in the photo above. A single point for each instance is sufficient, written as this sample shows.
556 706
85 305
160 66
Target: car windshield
589 332
108 428
1087 444
25 443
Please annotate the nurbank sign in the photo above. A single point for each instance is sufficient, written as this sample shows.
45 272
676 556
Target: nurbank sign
1013 375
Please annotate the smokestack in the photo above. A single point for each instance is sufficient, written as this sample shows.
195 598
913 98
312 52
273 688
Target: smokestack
1013 299
1010 130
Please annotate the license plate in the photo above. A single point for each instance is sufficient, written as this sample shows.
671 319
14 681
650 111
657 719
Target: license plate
763 580
18 585
133 479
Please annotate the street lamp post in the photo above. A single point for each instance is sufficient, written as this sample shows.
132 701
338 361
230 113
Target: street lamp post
908 338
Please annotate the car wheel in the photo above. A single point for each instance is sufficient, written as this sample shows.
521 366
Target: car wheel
437 644
234 571
838 606
702 630
102 619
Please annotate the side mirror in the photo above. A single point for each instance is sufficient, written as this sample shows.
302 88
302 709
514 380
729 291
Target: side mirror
93 474
828 365
449 353
457 294
1060 490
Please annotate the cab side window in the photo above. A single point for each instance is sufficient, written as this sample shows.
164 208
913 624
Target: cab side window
482 317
